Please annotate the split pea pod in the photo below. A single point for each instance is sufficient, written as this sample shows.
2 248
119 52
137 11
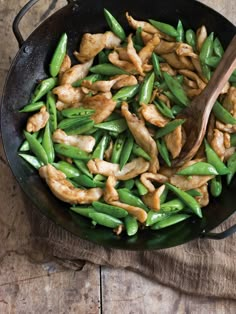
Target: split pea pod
105 220
231 163
32 160
47 143
170 221
107 69
198 169
131 225
114 25
161 145
146 89
176 88
77 112
111 210
71 151
101 147
126 151
32 107
43 88
164 27
169 127
127 197
58 56
117 149
36 148
216 186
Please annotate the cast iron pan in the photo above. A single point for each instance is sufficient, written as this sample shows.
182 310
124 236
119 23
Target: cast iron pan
31 65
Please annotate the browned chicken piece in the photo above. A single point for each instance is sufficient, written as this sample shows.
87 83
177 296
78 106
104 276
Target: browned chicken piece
99 86
189 83
153 115
38 120
228 153
185 50
163 98
66 64
122 52
146 52
201 37
129 171
230 101
147 178
103 106
112 41
111 197
141 136
133 55
203 200
174 141
84 142
64 190
229 128
193 76
165 67
76 73
118 230
210 128
125 65
165 47
108 151
193 92
227 142
125 80
217 143
152 199
178 62
197 66
61 105
146 37
68 94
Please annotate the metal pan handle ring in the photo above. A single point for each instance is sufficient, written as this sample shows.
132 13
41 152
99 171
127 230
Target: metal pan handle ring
221 235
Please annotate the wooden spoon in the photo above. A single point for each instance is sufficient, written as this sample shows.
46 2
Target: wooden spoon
198 111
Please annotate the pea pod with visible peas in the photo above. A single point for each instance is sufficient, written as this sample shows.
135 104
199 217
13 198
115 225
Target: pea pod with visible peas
111 210
77 112
36 148
165 28
43 88
169 221
117 149
105 220
114 25
131 225
146 89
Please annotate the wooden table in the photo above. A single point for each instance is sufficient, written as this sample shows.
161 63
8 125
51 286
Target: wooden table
28 283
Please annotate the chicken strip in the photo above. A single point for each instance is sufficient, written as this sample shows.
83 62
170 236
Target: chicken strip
165 67
125 80
68 94
123 64
230 101
229 128
203 200
174 141
178 62
64 189
111 197
129 171
201 37
84 142
147 178
153 116
38 120
66 64
185 50
165 47
134 57
152 199
76 73
146 52
217 143
193 76
142 136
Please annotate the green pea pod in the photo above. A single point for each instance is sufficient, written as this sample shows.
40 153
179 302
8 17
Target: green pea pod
128 184
84 128
194 193
180 31
176 109
105 220
206 71
47 143
169 127
69 170
114 25
126 93
91 78
164 110
127 197
101 147
71 151
170 221
172 98
25 145
117 149
207 48
216 186
198 169
126 151
36 148
32 107
142 190
138 151
176 88
83 211
51 108
85 181
58 56
218 48
191 38
113 211
43 88
222 114
107 69
173 205
138 37
72 122
146 89
187 199
165 28
118 125
164 195
154 217
213 61
32 160
231 163
161 145
81 165
233 139
131 225
214 160
102 57
77 112
156 66
114 116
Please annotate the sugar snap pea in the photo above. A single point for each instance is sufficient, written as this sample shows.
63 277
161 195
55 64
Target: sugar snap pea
117 149
77 112
107 69
164 195
71 151
47 143
146 89
84 211
165 28
114 25
128 184
51 108
176 88
231 163
207 48
102 57
85 127
32 160
156 66
131 225
118 125
199 169
92 78
68 123
180 31
69 170
161 145
105 220
138 151
169 221
58 56
164 110
36 148
86 181
233 139
216 186
81 165
176 109
222 114
142 190
218 48
169 127
25 145
191 38
101 147
43 88
126 93
155 216
194 192
172 205
126 151
138 37
32 107
127 197
114 211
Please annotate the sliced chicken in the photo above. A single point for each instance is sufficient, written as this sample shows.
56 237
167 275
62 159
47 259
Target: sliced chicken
142 136
227 142
125 80
66 64
229 152
108 151
185 50
146 52
133 55
193 76
217 143
165 47
147 178
64 190
229 128
178 62
152 199
189 83
129 171
122 52
192 92
230 101
123 64
76 73
201 37
38 120
203 200
210 128
112 41
165 67
153 116
68 94
111 197
84 142
175 141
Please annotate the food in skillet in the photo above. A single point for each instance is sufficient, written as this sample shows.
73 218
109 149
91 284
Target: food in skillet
103 131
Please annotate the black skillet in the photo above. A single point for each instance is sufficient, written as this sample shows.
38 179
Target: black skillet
31 65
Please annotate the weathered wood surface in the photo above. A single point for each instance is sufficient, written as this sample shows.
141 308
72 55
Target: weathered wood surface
31 284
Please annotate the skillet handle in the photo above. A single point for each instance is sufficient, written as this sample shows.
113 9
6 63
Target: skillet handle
219 236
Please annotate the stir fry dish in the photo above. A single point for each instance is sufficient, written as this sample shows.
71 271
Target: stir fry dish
103 128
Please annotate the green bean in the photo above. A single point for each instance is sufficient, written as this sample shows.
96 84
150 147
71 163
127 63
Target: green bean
126 93
131 225
81 165
142 190
47 143
69 170
114 211
198 169
207 48
105 220
32 107
117 149
231 163
191 38
165 28
233 139
118 125
114 25
155 216
32 160
51 108
216 186
217 47
126 151
176 88
91 78
128 184
138 37
222 114
58 56
214 160
36 148
43 88
84 127
71 151
194 193
83 211
138 151
107 69
77 112
127 197
173 205
161 145
146 89
172 220
101 147
156 66
164 109
169 127
180 31
187 199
